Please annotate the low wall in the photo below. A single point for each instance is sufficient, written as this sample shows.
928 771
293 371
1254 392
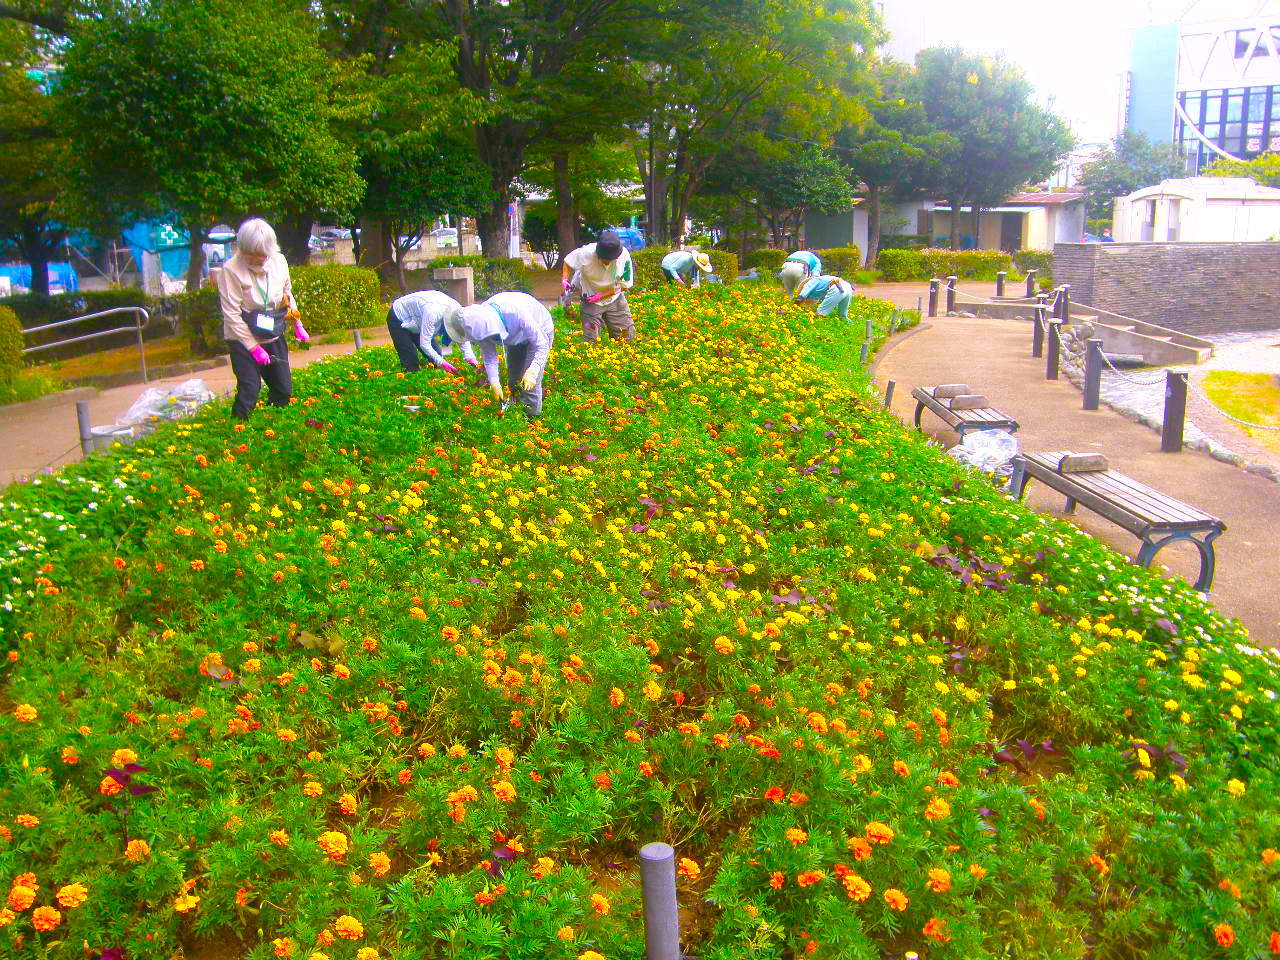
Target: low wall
1200 288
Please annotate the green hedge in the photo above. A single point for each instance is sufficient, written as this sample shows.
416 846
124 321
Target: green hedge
1039 260
904 241
11 343
899 265
199 317
841 261
335 297
492 274
768 260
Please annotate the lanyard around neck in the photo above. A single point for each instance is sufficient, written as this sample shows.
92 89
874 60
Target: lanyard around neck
264 295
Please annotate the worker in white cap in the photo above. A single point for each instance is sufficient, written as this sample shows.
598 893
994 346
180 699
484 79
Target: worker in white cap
416 324
834 294
685 267
605 273
798 268
523 328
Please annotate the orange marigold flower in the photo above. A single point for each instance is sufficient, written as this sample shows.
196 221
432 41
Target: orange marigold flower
504 791
286 735
776 879
283 946
70 756
368 953
348 804
1270 856
565 933
796 836
25 713
333 843
776 794
690 729
616 697
279 837
798 799
21 897
938 809
977 870
1224 933
900 768
1275 941
197 564
600 904
646 768
939 880
185 903
26 820
948 779
809 877
878 832
312 789
109 786
137 850
379 863
603 781
45 918
689 868
72 895
122 756
348 927
26 880
724 646
426 749
325 938
857 888
1099 864
896 899
936 930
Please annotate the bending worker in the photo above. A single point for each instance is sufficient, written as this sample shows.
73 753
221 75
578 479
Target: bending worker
685 267
416 325
523 328
798 268
605 274
834 293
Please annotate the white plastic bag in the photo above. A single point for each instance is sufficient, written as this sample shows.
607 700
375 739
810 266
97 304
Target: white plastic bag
167 403
990 451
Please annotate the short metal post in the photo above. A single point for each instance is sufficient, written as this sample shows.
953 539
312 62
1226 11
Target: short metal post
1055 347
933 296
1175 411
1037 329
359 339
86 427
870 330
888 394
1066 303
951 294
142 350
1092 373
893 323
1001 275
1031 283
658 889
920 305
866 349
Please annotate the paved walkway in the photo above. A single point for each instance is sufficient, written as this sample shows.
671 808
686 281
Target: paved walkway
993 357
45 433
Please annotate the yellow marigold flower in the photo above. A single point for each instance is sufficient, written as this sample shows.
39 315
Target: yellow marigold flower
1235 787
600 904
368 953
565 933
333 843
348 927
379 863
185 903
72 895
25 713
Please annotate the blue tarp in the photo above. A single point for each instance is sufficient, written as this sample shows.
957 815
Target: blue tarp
164 239
61 275
631 238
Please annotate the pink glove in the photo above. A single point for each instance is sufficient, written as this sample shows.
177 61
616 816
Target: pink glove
300 332
448 367
261 356
567 284
595 298
475 363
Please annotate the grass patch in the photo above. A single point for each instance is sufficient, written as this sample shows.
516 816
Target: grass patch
162 352
1254 397
29 385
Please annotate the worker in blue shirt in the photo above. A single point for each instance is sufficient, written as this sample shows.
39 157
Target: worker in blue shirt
685 267
798 268
834 294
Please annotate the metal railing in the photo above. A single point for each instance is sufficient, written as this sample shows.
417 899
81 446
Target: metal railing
141 319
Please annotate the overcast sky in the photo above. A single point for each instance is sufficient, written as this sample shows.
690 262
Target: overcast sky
1074 52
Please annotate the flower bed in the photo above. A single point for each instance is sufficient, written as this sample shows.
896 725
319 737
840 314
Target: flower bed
354 681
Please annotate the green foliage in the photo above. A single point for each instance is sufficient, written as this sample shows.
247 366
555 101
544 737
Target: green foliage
1097 226
1264 168
1039 260
335 297
11 343
29 384
768 260
724 265
898 265
492 274
199 317
904 241
841 261
648 265
34 310
1130 162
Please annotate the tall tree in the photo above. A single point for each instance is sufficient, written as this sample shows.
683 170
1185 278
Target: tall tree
1128 163
1264 168
248 130
1005 139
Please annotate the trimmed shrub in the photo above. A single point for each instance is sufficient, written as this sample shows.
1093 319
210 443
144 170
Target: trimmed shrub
963 263
768 260
199 318
492 274
724 264
841 261
897 265
10 343
337 297
903 241
1039 260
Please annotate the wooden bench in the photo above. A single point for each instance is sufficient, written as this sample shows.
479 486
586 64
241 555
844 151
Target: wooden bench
1154 518
960 409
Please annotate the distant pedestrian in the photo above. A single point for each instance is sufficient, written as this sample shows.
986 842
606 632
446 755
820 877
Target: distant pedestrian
416 324
685 267
798 268
605 273
834 294
524 329
257 305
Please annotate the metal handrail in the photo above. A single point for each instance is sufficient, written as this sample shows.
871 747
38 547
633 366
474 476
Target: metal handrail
142 319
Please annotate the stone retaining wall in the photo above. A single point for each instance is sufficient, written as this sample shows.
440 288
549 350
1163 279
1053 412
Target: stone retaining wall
1199 288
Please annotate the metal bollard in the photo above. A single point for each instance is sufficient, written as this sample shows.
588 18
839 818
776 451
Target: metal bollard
951 294
893 323
920 305
359 339
866 350
1175 411
1037 329
1092 374
86 427
1065 308
933 296
1000 278
1031 283
888 394
1055 348
658 888
870 331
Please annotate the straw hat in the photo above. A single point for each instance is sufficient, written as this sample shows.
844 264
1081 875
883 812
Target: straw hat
703 262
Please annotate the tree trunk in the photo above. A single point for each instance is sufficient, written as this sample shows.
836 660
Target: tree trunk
494 226
955 223
566 221
294 235
501 147
873 226
355 240
195 256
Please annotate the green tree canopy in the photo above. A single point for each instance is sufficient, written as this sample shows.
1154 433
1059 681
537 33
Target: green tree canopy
1264 168
1130 162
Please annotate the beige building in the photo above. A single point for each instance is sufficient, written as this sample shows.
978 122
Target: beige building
1203 209
1026 221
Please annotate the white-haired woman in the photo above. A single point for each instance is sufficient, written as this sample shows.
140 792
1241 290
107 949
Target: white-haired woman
257 306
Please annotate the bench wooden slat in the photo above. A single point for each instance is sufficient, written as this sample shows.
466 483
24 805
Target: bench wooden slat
1141 503
989 417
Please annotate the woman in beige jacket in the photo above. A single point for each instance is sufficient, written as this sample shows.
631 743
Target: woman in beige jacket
257 307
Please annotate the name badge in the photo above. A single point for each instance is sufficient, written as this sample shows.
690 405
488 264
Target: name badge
264 322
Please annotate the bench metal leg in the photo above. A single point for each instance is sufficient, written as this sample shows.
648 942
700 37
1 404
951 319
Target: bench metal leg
1069 506
919 413
1018 481
1207 555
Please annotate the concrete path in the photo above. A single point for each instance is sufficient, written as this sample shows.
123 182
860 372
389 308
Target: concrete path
993 357
45 432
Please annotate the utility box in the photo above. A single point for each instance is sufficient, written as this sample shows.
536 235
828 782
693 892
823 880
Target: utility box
457 282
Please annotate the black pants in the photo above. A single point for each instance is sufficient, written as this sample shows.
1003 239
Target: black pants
250 374
406 343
